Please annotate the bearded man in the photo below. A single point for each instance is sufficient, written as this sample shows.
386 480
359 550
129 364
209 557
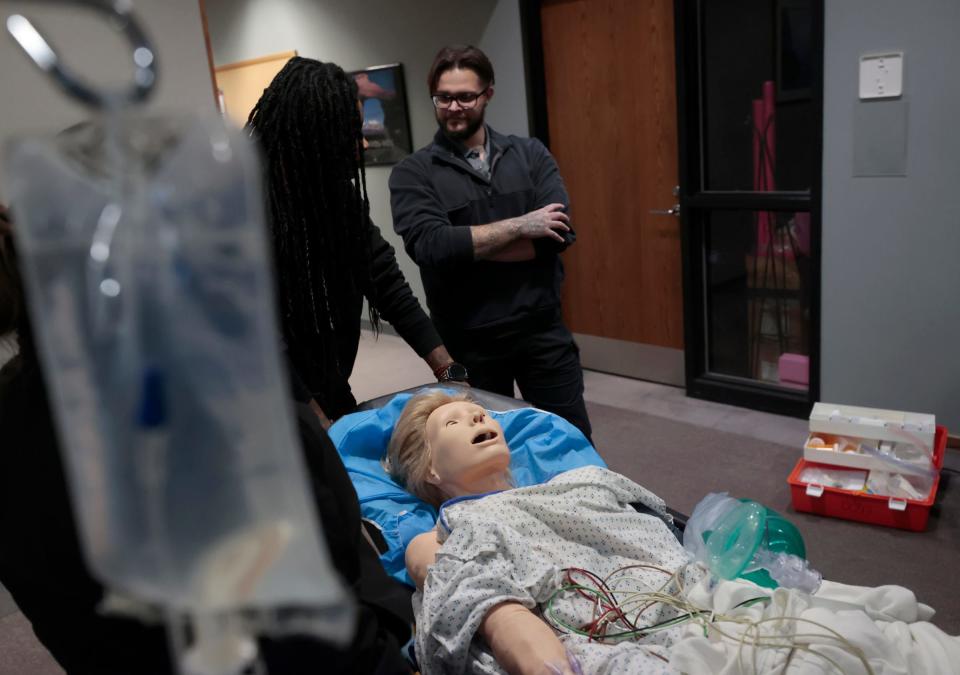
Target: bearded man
485 217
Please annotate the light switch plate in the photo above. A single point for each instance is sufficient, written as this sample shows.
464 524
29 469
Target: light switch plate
881 75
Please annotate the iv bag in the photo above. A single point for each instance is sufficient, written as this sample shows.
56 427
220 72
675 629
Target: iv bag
150 290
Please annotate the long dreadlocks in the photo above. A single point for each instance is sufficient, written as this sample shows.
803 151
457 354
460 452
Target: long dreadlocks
309 127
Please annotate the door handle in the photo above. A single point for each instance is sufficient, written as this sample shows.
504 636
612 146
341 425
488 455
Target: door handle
674 211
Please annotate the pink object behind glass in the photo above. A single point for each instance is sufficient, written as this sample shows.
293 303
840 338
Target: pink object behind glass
794 368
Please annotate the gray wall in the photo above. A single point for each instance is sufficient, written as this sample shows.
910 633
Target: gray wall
31 103
891 278
366 33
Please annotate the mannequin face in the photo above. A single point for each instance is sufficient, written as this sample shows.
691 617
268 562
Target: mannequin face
468 452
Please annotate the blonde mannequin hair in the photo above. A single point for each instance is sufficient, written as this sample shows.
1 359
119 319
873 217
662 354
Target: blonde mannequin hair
409 458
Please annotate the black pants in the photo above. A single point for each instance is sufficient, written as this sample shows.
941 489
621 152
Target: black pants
539 354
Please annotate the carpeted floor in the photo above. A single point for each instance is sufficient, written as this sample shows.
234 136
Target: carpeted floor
20 652
682 463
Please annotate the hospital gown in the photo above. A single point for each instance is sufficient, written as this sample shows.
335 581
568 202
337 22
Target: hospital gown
513 546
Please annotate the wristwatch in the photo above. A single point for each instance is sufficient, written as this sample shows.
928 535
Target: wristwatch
452 372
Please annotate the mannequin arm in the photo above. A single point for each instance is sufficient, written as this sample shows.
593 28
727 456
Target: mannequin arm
420 554
521 642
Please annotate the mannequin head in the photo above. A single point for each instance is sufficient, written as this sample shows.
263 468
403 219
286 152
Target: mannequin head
446 446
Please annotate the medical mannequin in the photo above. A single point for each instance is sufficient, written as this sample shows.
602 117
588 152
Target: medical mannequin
447 446
613 581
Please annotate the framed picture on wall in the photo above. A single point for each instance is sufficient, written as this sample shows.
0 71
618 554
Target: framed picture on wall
386 124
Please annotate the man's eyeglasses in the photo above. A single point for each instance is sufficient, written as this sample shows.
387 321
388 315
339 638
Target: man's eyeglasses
466 99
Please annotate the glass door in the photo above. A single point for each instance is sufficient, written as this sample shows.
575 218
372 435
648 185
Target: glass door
749 81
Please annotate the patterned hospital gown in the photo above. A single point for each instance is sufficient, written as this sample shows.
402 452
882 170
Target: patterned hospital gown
513 545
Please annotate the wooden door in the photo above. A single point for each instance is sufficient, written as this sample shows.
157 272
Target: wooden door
611 104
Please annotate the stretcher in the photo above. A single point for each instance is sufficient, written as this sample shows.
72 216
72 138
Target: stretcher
542 446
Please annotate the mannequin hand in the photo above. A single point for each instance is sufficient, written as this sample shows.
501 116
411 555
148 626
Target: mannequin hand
545 222
523 644
571 667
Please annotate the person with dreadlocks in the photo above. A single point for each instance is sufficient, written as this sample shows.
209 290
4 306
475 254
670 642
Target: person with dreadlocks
328 254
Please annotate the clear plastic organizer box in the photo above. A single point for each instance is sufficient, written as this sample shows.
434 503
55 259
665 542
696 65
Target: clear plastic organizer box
905 514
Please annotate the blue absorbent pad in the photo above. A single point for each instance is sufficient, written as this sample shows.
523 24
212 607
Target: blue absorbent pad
542 445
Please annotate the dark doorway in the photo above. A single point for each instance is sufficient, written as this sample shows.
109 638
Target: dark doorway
749 80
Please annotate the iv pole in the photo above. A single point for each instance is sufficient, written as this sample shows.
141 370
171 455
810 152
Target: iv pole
120 16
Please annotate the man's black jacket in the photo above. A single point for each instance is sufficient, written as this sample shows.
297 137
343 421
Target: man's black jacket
436 195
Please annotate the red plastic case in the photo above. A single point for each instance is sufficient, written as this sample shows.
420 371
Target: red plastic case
905 514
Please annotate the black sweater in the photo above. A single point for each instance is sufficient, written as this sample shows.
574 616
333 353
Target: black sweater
436 195
396 304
